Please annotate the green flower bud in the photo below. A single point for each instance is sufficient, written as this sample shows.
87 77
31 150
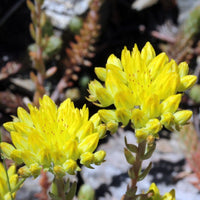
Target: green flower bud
101 73
187 82
59 171
104 97
141 134
112 126
183 69
24 172
99 157
89 144
87 159
70 166
101 129
153 126
181 117
35 169
171 104
167 119
107 115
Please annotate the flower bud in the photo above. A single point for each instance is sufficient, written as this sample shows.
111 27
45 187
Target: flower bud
70 166
86 130
9 126
24 172
104 97
181 117
183 69
6 149
186 82
99 157
89 144
95 119
141 134
101 73
87 159
93 86
153 126
101 129
35 169
171 104
112 126
59 171
167 119
107 115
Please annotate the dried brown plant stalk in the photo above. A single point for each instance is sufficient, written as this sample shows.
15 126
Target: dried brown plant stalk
182 47
81 50
191 147
38 21
45 184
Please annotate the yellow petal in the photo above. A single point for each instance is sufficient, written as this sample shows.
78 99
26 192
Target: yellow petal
124 99
123 115
101 73
148 53
112 59
138 118
104 97
157 64
9 126
151 106
71 149
183 69
24 116
6 149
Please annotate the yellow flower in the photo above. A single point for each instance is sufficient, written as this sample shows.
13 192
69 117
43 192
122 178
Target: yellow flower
142 87
157 196
52 138
13 179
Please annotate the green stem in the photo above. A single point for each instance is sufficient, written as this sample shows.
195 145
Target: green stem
7 177
132 189
59 188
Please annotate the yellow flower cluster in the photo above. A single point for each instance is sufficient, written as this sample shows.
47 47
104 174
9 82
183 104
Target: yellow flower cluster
54 138
13 179
157 196
144 88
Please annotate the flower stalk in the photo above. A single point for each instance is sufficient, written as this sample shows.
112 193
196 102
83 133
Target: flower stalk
38 21
142 152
